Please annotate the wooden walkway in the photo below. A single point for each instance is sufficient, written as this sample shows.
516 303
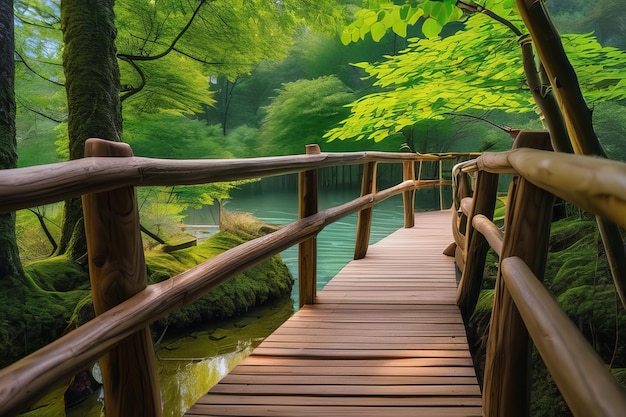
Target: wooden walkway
385 338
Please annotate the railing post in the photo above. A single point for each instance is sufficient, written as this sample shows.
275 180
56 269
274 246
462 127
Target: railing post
463 189
506 387
440 184
307 250
476 246
408 197
117 271
364 219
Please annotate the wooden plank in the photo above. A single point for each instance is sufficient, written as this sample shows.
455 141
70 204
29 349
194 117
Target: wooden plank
384 336
370 401
313 410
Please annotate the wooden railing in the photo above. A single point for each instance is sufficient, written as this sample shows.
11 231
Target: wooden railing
522 307
124 303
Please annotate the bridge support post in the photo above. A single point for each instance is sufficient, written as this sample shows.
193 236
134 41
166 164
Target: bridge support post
459 219
307 250
476 245
364 219
408 197
117 271
506 387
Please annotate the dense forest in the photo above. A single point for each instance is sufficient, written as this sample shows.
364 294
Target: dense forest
234 79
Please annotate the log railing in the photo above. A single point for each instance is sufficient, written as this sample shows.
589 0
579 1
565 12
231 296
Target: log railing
523 310
124 303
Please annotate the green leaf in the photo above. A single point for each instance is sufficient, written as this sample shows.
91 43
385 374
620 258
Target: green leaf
370 17
399 28
404 12
431 28
414 16
378 31
346 36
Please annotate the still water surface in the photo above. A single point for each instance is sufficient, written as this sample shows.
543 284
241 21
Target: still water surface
335 244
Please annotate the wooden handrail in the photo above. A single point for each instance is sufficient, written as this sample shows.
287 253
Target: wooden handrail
583 379
593 184
32 376
32 186
490 231
596 185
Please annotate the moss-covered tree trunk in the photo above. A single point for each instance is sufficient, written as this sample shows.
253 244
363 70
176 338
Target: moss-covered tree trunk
92 84
11 273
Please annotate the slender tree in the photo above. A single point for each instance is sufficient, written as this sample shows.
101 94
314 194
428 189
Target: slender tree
10 267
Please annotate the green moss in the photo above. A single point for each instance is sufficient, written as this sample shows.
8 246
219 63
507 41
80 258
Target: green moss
269 280
57 274
58 294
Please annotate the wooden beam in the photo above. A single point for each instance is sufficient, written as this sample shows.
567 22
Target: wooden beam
408 197
117 271
586 384
476 248
307 250
364 219
43 184
506 387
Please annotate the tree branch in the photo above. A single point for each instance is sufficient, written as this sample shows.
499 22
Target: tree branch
476 8
23 61
171 47
510 131
38 112
133 90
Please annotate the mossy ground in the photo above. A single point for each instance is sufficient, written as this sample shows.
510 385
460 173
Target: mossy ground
57 297
578 277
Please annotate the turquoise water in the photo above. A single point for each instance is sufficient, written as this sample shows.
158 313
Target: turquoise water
335 244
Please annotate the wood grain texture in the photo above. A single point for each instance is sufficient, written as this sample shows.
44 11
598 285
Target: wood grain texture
364 218
408 197
482 204
384 337
33 186
117 271
583 379
307 250
506 387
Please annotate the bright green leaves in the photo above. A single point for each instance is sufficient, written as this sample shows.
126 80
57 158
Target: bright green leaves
476 69
387 16
601 69
378 30
431 28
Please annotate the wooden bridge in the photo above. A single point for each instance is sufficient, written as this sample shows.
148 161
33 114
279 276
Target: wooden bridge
385 336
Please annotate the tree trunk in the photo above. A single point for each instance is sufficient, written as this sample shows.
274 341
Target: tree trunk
92 84
11 273
577 116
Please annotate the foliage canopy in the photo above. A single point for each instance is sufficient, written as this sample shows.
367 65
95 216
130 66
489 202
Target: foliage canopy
476 69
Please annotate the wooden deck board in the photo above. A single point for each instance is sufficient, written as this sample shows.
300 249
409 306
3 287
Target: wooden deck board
385 337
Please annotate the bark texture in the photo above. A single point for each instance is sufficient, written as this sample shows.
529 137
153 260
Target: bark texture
11 272
92 84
